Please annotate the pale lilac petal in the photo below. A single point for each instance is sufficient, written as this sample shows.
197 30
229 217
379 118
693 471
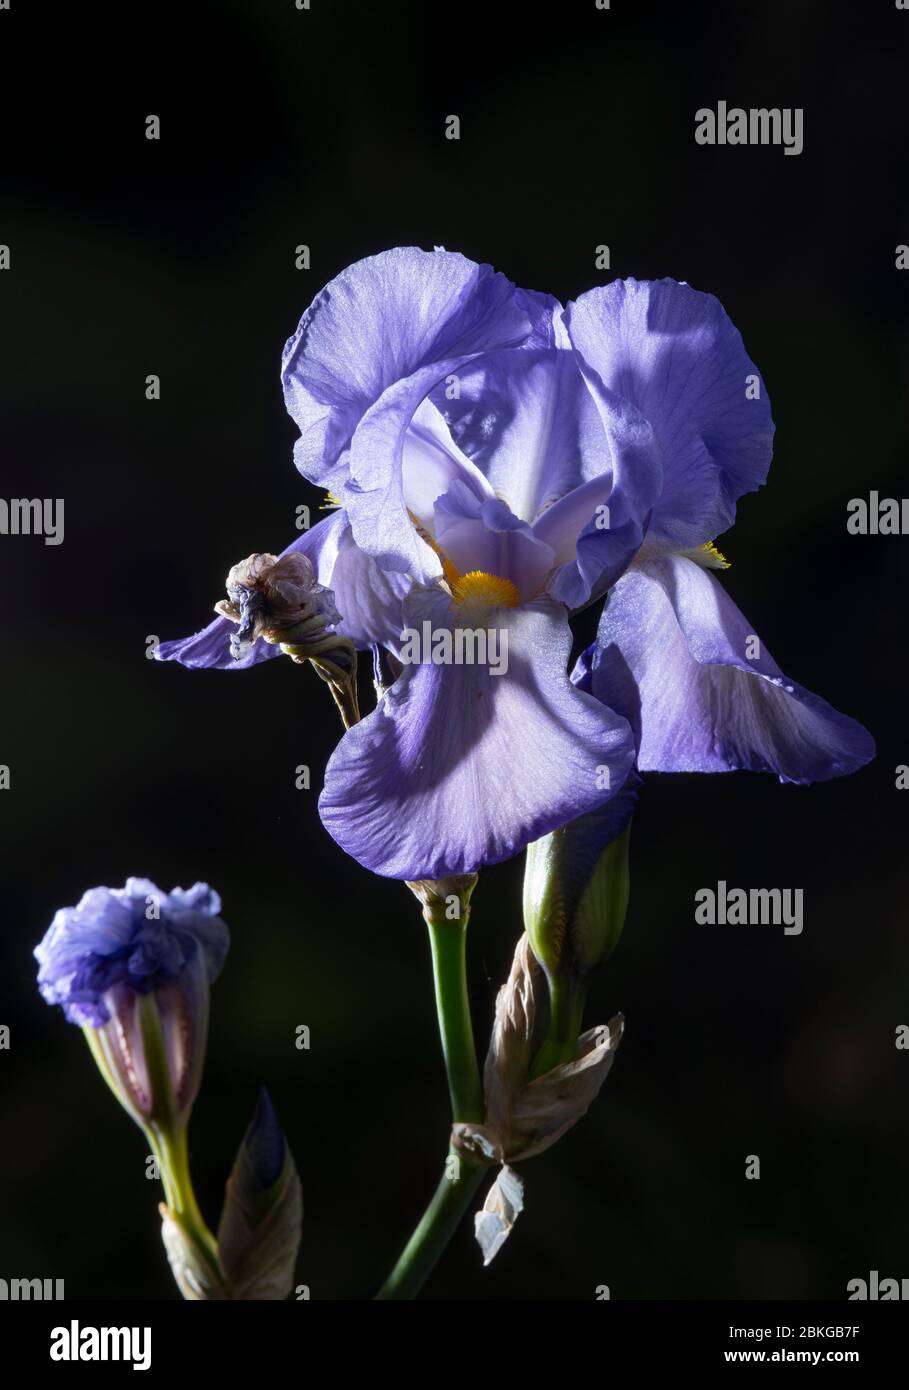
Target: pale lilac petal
673 656
674 354
209 650
529 423
431 462
545 314
379 321
459 767
374 494
561 525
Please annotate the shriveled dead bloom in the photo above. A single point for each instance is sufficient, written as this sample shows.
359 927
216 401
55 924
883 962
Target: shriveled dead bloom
276 598
523 1116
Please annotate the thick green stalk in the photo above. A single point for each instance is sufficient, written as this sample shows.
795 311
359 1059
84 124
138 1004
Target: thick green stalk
460 1181
172 1152
430 1239
448 941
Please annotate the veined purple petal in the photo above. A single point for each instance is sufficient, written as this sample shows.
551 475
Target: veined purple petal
210 649
675 355
459 767
136 936
379 321
431 462
608 528
673 656
529 423
368 600
525 422
374 496
545 314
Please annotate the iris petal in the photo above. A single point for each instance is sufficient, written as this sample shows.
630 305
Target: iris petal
672 654
674 354
459 767
431 462
379 321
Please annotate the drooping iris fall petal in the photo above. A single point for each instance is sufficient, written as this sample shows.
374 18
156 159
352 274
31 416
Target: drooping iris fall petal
458 767
679 660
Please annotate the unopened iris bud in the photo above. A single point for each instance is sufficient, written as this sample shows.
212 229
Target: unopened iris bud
575 900
278 599
576 886
133 967
259 1231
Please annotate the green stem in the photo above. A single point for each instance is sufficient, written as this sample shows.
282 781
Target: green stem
171 1149
430 1239
566 1010
460 1181
448 941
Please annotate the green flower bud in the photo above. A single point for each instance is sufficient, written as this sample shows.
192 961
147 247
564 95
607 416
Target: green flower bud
576 887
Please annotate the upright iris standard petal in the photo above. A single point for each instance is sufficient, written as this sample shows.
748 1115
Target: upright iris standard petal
702 694
596 535
545 314
459 767
672 352
376 498
529 423
379 321
368 600
566 455
432 463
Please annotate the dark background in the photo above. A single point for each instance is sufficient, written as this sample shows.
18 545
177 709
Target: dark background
131 257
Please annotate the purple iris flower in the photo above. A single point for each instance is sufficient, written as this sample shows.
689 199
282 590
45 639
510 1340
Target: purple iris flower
119 947
499 463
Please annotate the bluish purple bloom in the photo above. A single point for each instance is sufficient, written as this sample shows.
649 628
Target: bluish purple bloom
118 946
136 936
502 462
